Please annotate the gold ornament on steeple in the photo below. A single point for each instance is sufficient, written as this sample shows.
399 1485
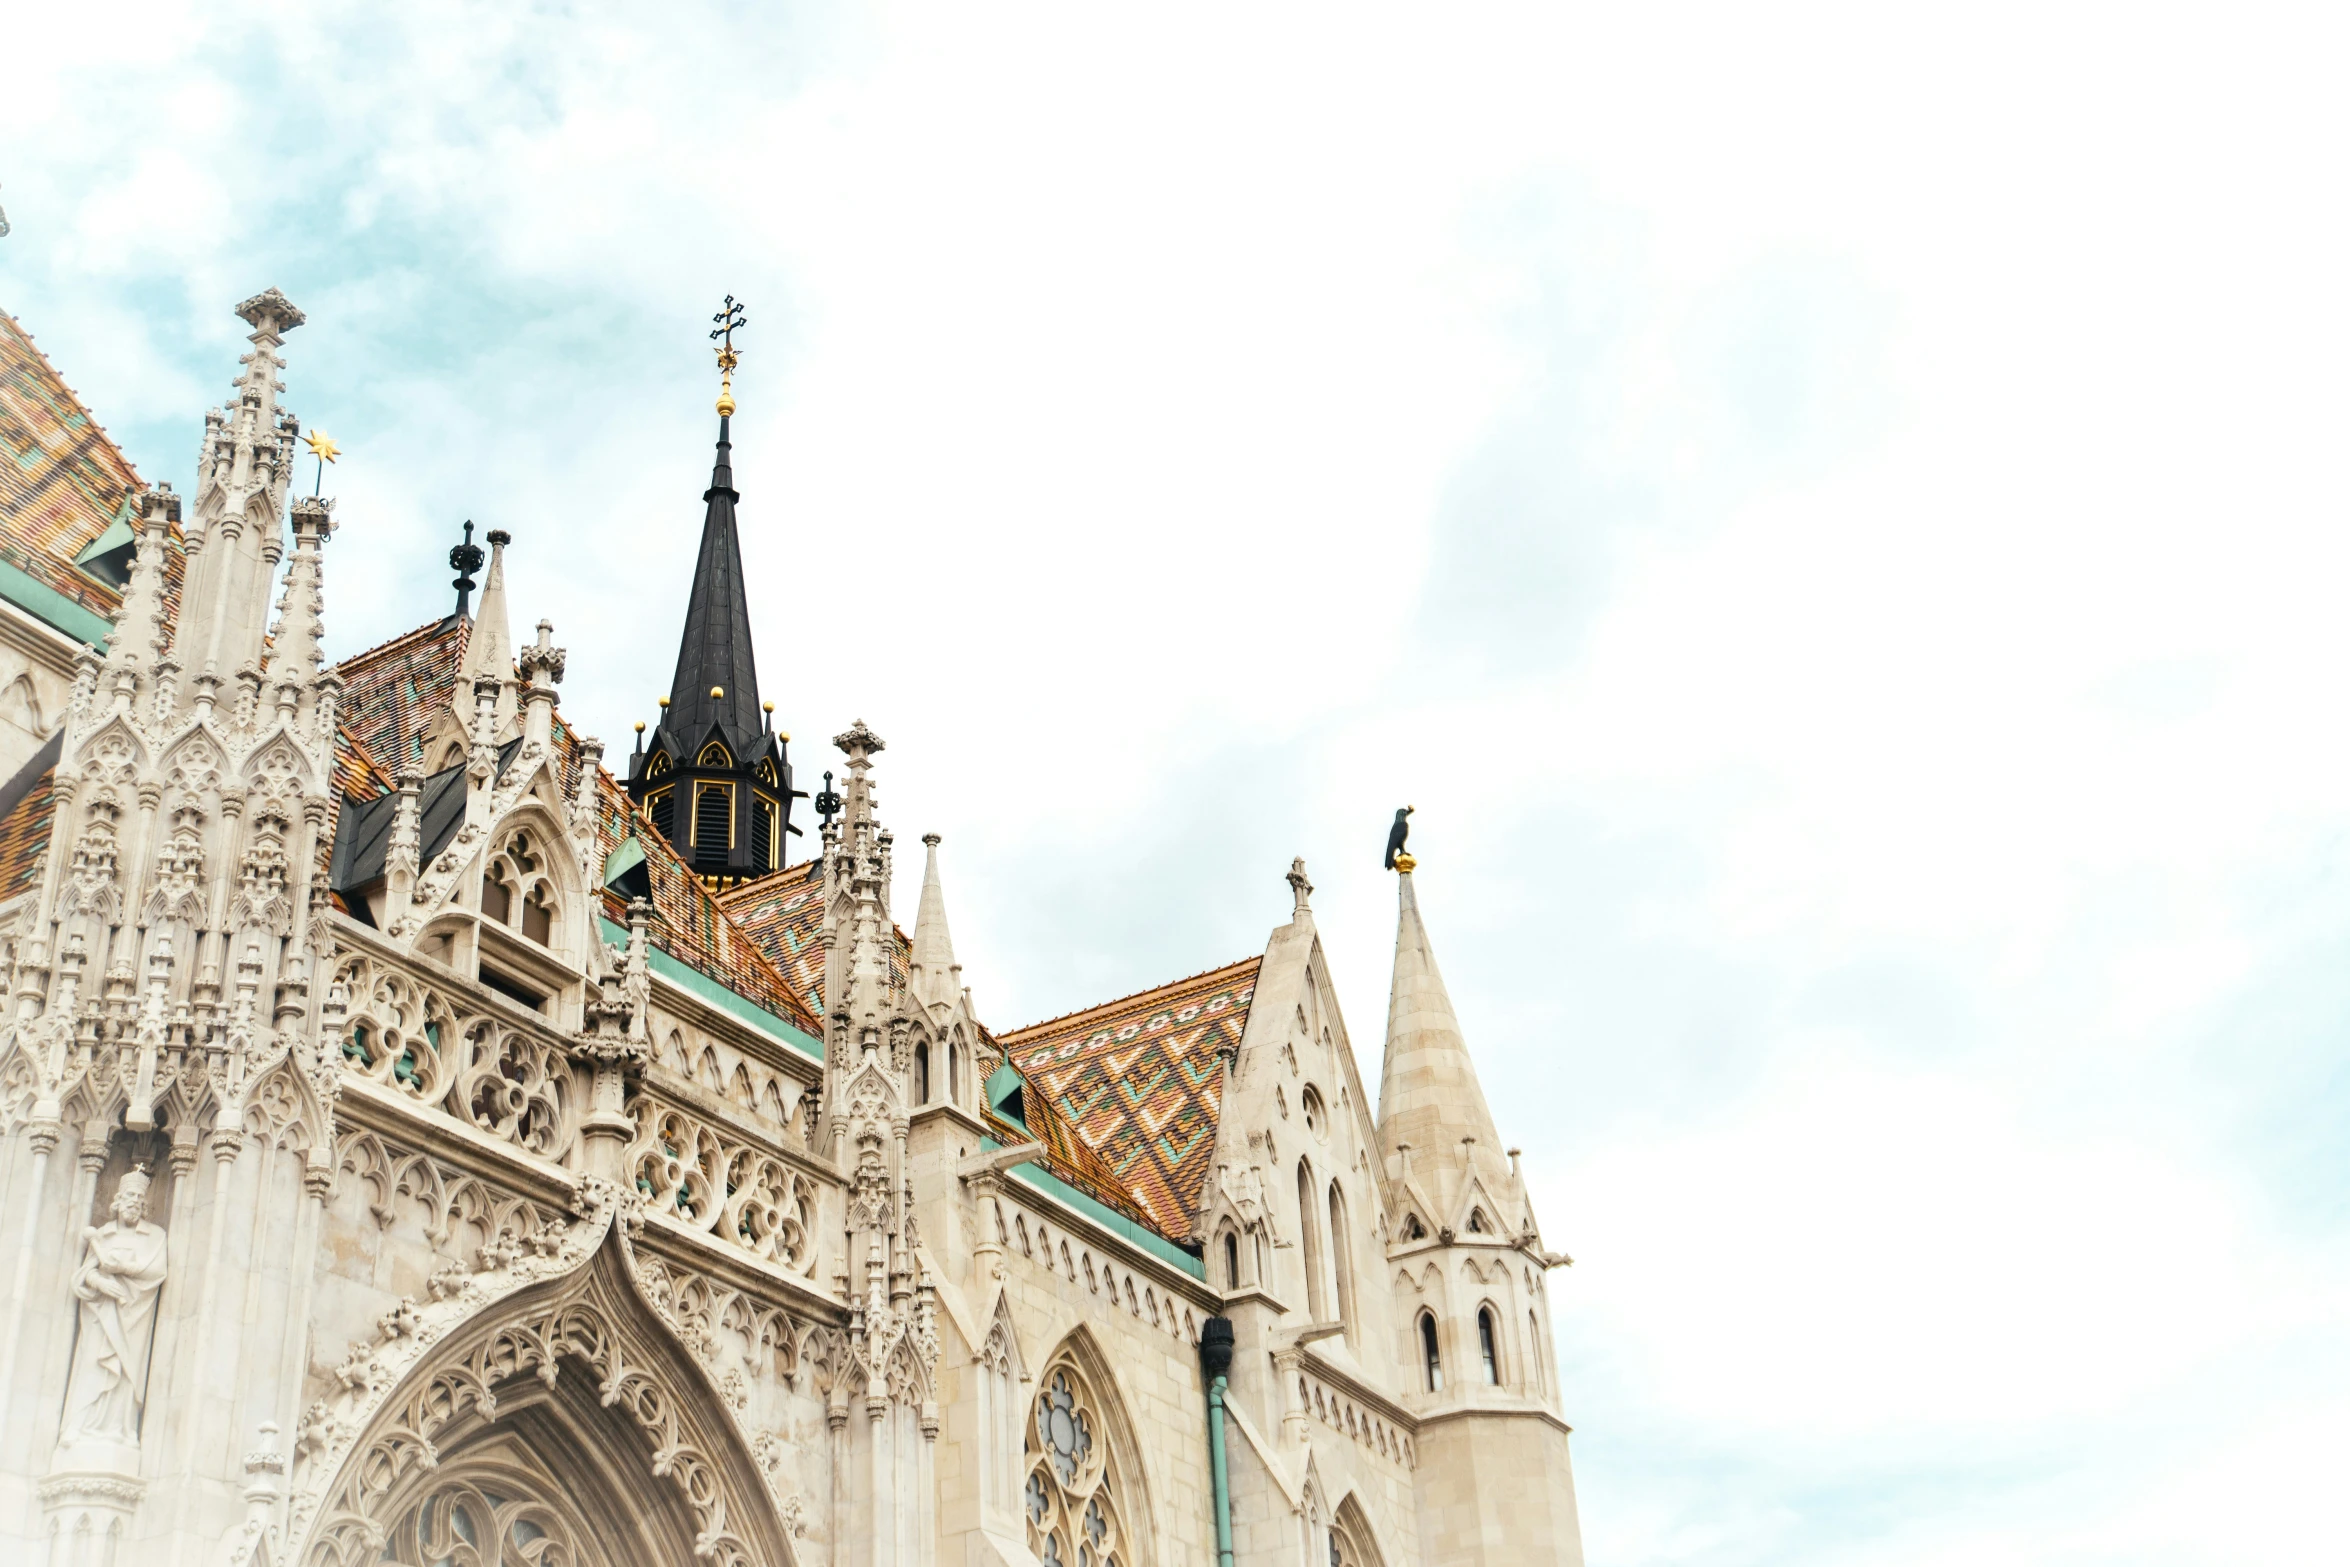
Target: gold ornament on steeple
727 319
322 446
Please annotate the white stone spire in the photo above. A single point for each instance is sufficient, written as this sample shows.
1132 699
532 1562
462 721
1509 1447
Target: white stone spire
856 877
235 539
1429 1098
934 976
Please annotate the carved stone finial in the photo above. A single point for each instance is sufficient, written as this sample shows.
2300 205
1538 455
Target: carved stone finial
271 312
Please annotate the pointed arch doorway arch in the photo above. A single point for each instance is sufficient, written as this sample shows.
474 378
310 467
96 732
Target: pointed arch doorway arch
561 1425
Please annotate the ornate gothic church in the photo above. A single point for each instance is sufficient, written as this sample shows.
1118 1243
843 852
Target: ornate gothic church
427 1139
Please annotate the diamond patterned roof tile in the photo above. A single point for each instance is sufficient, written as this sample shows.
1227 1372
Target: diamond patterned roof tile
1139 1082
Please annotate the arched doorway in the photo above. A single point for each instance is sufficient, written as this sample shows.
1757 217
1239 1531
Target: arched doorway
562 1425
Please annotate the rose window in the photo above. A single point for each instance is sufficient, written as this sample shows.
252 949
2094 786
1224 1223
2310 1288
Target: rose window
1071 1501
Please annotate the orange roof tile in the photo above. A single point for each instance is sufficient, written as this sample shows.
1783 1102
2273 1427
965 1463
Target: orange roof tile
1139 1080
24 834
391 690
62 480
783 914
692 925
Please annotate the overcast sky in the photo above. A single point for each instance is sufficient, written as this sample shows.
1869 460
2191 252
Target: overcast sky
1835 517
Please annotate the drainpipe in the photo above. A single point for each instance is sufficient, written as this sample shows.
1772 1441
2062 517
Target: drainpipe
1215 1361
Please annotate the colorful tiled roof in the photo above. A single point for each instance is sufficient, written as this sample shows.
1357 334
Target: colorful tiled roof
692 926
1139 1081
24 834
62 481
356 775
392 690
784 914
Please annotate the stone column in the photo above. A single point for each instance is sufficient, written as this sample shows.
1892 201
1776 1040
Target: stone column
43 1136
883 1525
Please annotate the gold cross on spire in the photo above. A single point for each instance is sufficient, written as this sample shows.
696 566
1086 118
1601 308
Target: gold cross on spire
728 319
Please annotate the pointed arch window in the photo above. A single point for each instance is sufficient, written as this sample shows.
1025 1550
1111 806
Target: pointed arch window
516 891
1534 1348
1231 1260
1342 1258
714 755
1487 1348
922 1074
1431 1360
658 765
1311 1247
1073 1504
1413 1229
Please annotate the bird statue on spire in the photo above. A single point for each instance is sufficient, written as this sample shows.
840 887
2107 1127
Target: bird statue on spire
1396 835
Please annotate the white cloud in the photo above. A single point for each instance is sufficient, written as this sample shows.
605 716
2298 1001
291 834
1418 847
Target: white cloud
1829 511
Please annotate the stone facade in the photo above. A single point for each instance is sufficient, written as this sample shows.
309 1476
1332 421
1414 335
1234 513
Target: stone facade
414 1167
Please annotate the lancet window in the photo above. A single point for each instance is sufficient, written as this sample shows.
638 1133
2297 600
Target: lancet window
516 891
1073 1502
1486 1346
1431 1359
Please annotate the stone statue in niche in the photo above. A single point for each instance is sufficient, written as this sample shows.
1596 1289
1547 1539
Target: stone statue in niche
120 1276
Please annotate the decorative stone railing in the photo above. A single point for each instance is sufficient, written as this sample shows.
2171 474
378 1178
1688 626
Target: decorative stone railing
731 1185
449 1050
468 1057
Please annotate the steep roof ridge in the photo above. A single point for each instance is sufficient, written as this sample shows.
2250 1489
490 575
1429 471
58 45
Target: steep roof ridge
1010 1035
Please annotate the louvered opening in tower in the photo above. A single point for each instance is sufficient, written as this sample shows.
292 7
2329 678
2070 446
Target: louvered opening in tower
763 833
664 809
713 823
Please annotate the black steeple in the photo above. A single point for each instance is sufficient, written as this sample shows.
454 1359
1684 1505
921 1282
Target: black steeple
717 684
713 777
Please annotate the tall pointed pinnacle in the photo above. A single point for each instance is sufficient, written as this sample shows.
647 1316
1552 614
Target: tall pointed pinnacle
489 647
717 680
856 892
1429 1099
932 972
235 534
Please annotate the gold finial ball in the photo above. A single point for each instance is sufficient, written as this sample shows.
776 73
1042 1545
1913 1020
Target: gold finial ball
664 701
726 405
767 707
1405 863
784 735
640 726
716 692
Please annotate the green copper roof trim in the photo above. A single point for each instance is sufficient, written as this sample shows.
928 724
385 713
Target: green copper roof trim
687 977
38 599
1108 1218
622 860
